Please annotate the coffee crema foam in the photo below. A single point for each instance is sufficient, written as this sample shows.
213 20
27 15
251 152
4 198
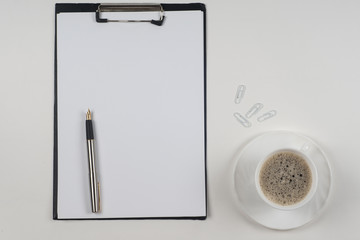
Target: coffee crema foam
285 178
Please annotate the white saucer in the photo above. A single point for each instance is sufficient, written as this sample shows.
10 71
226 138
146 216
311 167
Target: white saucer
245 186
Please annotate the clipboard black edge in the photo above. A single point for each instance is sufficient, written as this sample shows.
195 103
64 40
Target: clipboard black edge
203 9
55 147
92 7
135 218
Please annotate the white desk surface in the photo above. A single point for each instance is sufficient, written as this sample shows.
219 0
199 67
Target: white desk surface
247 42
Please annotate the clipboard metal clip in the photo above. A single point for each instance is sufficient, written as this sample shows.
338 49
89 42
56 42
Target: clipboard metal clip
130 8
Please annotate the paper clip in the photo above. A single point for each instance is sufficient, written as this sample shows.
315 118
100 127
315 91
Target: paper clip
254 110
240 92
242 120
266 116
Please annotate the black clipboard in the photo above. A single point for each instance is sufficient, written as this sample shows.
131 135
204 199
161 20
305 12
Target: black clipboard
126 80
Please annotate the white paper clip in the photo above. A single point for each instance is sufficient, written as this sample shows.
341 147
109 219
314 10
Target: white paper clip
266 116
242 120
254 110
240 92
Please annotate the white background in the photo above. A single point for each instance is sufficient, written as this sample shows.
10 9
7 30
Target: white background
307 52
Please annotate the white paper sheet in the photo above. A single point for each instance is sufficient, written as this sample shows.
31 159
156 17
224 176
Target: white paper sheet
145 87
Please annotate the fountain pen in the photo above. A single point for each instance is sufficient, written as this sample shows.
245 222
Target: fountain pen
94 184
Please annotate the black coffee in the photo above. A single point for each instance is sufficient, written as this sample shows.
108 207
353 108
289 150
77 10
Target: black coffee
285 178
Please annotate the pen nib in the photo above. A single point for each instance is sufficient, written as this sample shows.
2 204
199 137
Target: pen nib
88 115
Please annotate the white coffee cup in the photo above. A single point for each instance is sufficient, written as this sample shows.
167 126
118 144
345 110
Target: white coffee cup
310 193
252 200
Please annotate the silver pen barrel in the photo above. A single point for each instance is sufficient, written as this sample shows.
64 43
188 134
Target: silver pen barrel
94 184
